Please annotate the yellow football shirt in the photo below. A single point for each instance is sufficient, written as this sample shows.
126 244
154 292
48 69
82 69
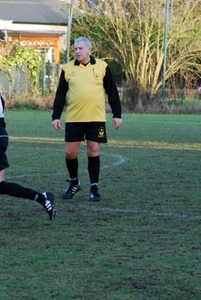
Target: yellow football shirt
86 96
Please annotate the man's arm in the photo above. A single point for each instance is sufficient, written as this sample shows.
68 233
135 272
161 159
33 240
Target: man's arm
112 92
60 97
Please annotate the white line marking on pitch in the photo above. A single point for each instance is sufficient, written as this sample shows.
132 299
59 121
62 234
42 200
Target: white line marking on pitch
120 160
140 212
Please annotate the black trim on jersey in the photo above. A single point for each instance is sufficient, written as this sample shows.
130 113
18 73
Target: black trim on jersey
109 86
111 91
60 97
2 107
3 104
92 61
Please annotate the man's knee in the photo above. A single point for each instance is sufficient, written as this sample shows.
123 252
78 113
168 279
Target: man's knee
93 149
71 150
2 175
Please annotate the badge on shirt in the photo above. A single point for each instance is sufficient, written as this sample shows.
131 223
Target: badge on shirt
101 132
97 76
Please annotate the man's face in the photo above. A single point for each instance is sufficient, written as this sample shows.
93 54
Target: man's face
82 52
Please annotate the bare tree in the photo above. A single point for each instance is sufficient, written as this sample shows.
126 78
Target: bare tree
133 34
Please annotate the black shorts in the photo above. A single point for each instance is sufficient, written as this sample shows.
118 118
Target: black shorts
81 131
3 147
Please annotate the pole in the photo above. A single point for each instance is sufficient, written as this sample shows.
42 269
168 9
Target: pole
69 20
165 49
44 72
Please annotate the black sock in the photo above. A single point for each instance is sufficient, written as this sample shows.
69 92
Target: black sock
16 190
72 166
94 169
94 187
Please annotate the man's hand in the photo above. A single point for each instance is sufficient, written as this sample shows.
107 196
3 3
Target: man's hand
56 124
117 122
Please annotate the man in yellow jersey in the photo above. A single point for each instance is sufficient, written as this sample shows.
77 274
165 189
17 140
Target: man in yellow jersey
86 81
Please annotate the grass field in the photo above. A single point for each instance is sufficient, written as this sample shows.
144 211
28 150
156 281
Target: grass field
142 241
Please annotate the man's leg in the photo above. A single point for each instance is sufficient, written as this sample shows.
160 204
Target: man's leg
93 149
46 199
71 153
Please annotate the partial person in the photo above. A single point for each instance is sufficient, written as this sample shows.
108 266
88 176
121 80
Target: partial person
46 199
199 90
86 81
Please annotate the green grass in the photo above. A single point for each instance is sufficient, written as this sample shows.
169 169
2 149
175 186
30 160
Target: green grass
143 241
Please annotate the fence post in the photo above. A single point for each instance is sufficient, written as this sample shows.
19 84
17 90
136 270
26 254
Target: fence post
44 73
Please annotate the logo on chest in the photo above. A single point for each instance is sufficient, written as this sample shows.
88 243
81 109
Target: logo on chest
97 76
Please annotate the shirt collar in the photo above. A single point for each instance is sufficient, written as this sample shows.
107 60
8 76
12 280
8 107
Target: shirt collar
92 61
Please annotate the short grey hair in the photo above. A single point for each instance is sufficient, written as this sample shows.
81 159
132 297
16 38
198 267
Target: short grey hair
85 40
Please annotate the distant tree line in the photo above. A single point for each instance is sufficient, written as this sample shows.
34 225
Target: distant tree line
129 35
